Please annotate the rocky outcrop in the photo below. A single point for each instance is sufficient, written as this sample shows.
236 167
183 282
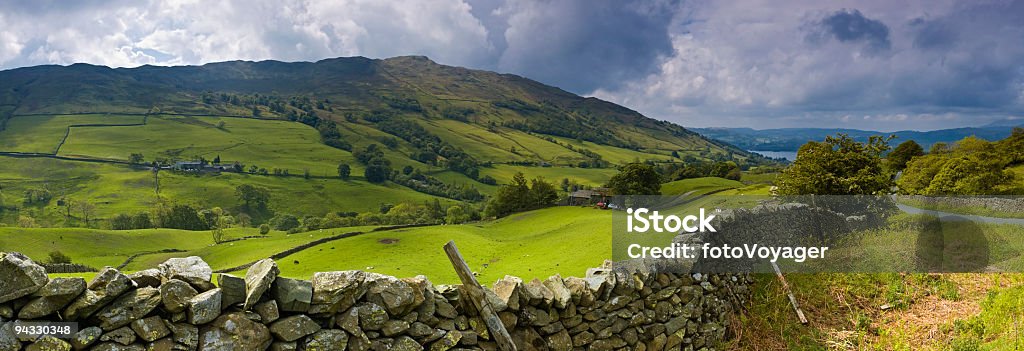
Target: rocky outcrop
175 308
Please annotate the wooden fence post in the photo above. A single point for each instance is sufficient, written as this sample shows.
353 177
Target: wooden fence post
479 299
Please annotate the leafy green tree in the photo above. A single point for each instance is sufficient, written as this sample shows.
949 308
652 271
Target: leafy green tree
253 197
838 166
185 217
456 215
136 159
141 221
636 179
903 153
378 170
542 193
284 222
344 171
121 222
264 229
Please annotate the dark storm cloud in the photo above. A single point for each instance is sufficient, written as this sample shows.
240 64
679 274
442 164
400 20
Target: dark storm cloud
582 45
853 27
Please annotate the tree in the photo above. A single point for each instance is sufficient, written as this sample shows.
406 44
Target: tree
903 153
59 257
85 208
253 197
675 154
542 193
25 221
456 215
838 166
344 171
378 170
136 159
185 217
141 221
217 225
284 222
121 222
407 170
264 229
636 179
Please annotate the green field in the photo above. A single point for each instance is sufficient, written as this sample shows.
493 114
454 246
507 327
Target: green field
268 144
584 176
532 244
115 189
42 134
699 186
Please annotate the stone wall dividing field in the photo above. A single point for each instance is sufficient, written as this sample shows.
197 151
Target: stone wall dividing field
178 307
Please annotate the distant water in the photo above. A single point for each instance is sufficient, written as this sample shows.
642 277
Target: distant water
788 155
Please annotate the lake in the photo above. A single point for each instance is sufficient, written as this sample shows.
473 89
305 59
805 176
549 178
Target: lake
788 155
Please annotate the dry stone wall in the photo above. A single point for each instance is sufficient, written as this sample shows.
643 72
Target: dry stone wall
177 307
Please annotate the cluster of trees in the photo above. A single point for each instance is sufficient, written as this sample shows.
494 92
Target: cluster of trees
518 196
428 212
416 180
700 169
840 165
636 179
378 168
123 221
329 134
430 147
37 197
971 166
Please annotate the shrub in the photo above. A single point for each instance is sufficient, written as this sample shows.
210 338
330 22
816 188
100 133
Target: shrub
59 257
264 229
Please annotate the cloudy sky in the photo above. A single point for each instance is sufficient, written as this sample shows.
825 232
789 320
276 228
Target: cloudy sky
883 65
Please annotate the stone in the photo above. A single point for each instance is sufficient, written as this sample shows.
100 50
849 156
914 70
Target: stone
49 343
150 328
204 308
165 344
445 309
185 335
390 292
258 279
85 337
349 321
528 339
132 305
294 327
21 276
372 316
394 327
583 339
336 291
198 283
108 285
418 329
8 340
292 295
191 266
53 296
327 340
448 341
560 295
113 346
232 290
560 341
284 346
507 289
537 293
405 343
175 294
268 311
147 277
233 331
122 335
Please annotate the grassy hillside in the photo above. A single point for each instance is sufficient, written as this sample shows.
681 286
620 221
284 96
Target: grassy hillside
531 244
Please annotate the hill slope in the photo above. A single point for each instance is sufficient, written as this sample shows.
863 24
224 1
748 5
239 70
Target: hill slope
442 129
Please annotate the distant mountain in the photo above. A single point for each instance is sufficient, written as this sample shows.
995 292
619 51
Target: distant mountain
361 91
790 139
